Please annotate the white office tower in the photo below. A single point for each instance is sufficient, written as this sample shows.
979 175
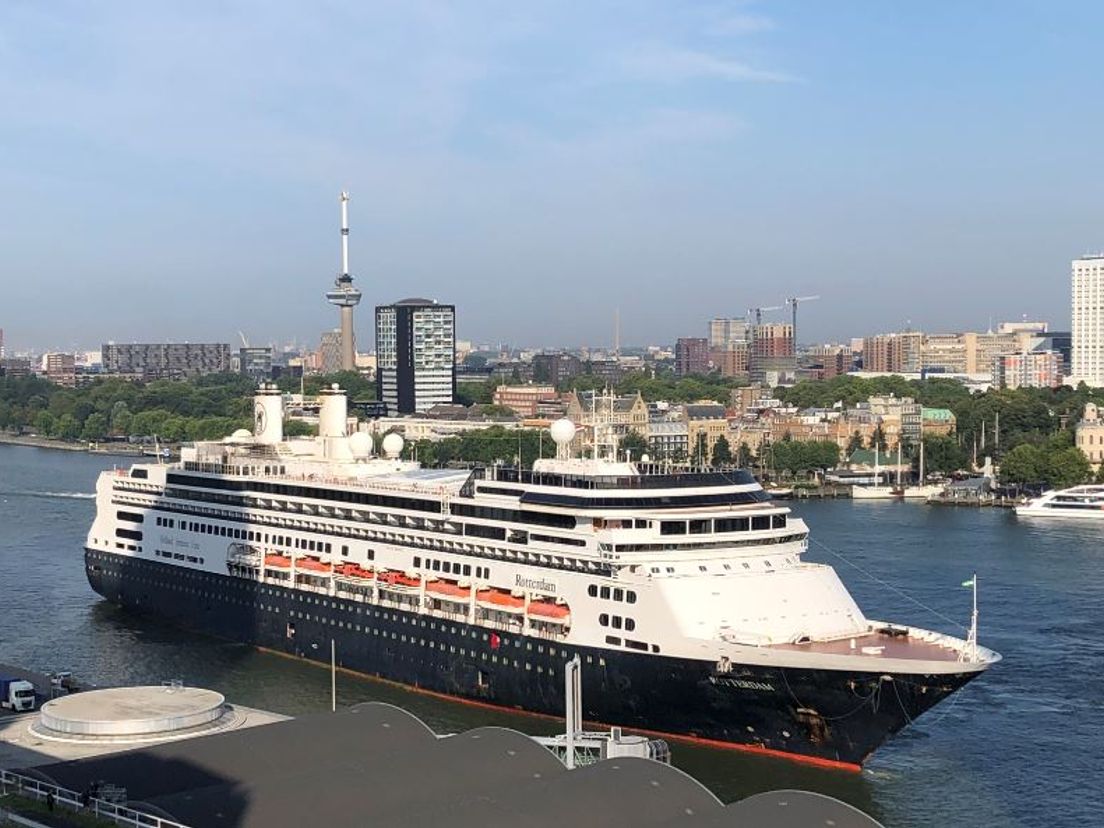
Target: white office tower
1088 320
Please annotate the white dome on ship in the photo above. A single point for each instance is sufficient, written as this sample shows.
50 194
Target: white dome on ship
360 444
563 431
242 434
393 445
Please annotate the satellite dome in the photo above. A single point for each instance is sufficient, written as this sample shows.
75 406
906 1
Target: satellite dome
644 458
360 444
393 445
241 434
563 431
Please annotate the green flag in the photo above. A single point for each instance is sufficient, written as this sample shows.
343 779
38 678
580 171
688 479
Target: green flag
968 583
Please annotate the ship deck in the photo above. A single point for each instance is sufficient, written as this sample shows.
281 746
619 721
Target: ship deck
901 646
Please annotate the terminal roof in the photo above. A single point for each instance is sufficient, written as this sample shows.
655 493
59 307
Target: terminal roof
379 765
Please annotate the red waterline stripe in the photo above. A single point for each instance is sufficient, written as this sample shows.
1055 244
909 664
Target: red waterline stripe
800 758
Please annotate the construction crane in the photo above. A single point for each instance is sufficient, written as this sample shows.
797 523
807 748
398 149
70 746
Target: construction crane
793 302
758 312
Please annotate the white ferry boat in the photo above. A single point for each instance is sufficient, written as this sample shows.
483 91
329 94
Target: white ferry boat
1079 502
683 593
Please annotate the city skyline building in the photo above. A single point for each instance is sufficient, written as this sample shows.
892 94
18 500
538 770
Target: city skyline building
344 295
415 355
691 355
1029 369
1087 315
161 360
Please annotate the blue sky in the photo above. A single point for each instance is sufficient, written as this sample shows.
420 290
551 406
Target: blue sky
171 170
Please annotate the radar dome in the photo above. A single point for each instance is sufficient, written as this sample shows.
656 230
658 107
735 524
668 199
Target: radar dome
360 444
242 434
563 431
393 445
644 458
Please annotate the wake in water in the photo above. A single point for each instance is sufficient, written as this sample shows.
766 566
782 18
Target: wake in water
76 495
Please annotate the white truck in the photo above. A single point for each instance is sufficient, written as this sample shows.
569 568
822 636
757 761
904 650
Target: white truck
16 694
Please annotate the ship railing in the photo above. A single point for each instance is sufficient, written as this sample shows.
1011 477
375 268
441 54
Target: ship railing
83 804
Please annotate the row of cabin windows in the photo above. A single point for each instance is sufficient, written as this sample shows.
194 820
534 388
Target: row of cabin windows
304 544
130 517
450 568
616 622
621 523
543 559
471 530
130 534
616 593
168 523
755 523
177 556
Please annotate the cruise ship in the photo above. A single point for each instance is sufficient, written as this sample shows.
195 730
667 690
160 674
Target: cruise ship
1079 503
683 592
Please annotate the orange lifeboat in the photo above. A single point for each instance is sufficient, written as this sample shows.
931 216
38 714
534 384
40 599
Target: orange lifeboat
313 565
449 591
356 571
280 561
550 611
399 579
501 600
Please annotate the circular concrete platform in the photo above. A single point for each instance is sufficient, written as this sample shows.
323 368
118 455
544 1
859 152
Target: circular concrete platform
132 714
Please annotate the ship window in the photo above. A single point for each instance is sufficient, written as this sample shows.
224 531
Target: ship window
672 527
778 521
699 527
619 595
731 524
640 524
616 622
417 562
603 619
759 522
467 569
592 590
630 596
605 592
630 625
614 640
436 566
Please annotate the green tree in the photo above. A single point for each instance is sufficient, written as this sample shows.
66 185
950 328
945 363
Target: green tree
44 423
1068 467
722 453
878 438
743 455
95 427
1024 464
634 443
854 442
943 454
67 427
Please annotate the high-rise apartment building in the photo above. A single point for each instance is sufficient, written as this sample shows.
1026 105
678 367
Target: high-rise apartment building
165 360
61 369
895 353
1088 320
255 362
691 355
1031 369
330 351
416 355
771 351
726 331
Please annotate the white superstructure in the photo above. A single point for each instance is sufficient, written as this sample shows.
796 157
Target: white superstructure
1078 502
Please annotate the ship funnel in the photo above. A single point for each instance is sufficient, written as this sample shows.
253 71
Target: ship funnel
268 415
334 415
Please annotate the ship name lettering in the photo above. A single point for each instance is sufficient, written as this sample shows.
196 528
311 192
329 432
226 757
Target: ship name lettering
538 584
743 684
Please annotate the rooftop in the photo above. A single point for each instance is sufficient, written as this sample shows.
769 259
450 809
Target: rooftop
378 765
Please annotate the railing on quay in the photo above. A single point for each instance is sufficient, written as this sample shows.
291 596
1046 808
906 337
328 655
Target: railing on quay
22 785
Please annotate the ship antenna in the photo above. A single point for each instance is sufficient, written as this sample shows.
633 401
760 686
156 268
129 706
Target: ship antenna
973 637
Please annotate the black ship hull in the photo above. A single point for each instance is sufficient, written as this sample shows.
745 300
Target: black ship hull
828 717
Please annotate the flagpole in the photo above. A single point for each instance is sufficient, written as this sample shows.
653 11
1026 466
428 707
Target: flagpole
974 619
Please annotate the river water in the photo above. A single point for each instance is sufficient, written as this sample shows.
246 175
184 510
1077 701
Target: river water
1022 745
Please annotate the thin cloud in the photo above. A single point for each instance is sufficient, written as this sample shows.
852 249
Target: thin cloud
744 24
666 65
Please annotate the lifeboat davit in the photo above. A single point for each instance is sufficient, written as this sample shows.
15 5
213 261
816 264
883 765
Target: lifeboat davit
280 561
313 565
501 600
356 571
550 611
399 580
449 591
